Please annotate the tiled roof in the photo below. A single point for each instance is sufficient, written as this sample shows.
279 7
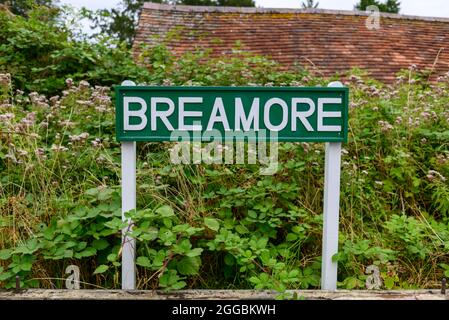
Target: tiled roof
332 41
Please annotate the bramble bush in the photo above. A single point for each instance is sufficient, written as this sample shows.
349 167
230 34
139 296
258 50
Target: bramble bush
217 226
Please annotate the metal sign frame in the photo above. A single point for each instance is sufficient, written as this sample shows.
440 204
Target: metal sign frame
263 103
331 181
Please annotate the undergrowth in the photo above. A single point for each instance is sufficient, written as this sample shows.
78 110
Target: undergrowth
216 226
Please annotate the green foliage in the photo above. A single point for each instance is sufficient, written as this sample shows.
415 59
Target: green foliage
88 230
391 6
40 53
168 248
216 226
21 7
121 23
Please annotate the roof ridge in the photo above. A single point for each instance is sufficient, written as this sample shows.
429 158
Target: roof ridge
168 7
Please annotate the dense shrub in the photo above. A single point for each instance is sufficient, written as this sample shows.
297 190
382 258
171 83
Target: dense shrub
40 52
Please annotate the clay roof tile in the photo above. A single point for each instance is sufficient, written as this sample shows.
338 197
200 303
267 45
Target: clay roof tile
334 41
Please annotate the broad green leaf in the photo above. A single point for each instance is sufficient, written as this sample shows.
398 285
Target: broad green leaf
389 283
105 194
169 278
5 275
26 266
158 260
100 244
293 274
165 211
167 222
254 280
180 228
88 252
68 253
5 254
241 229
189 266
179 285
291 237
112 257
351 283
212 223
101 269
150 234
337 257
92 192
143 262
195 252
81 245
262 243
252 214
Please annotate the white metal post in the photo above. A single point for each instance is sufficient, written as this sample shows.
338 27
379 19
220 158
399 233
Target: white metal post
128 203
331 212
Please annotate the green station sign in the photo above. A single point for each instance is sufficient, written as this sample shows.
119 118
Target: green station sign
309 114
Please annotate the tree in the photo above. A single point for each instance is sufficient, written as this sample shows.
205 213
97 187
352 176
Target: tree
121 23
310 4
21 7
40 53
391 6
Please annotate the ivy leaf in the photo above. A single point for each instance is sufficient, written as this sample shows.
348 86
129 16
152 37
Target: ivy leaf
212 223
101 269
